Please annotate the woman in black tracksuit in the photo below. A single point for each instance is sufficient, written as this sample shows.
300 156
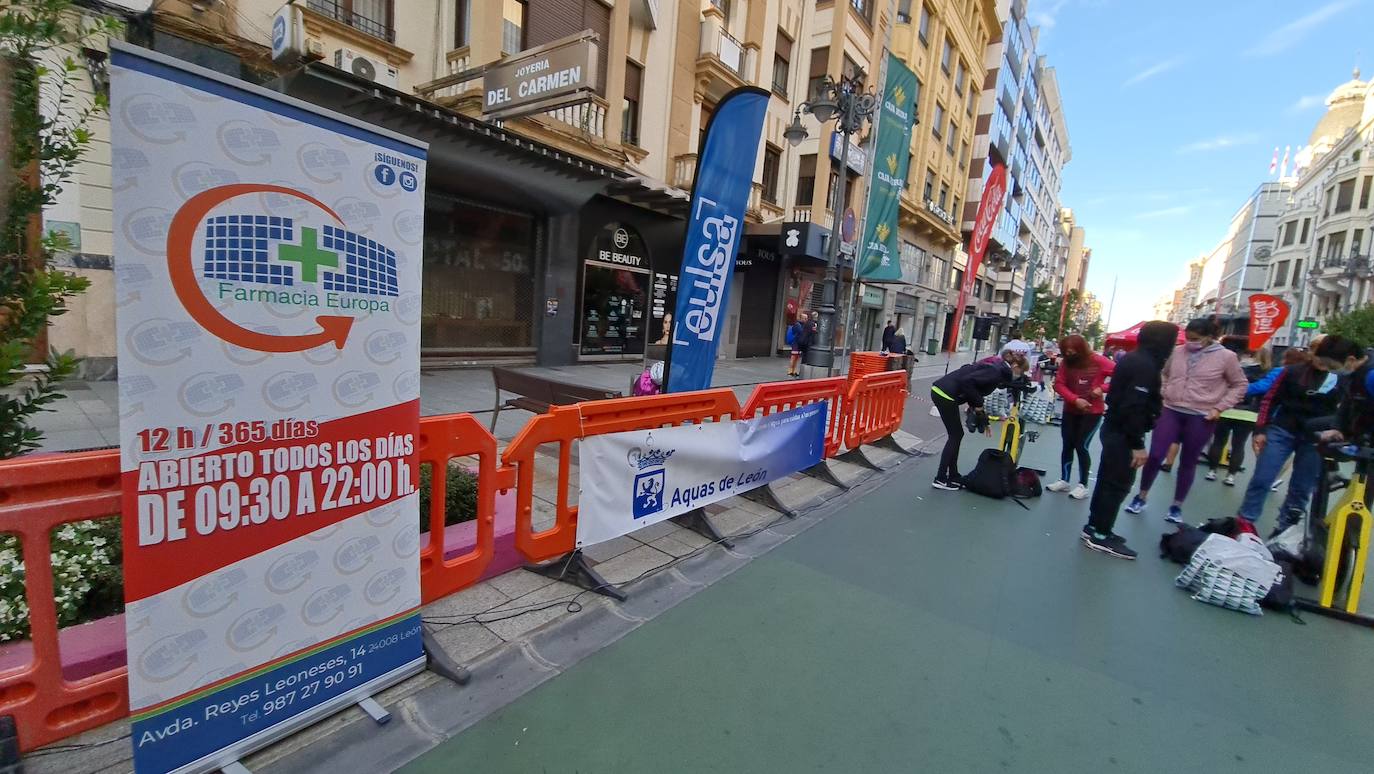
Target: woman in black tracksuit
970 385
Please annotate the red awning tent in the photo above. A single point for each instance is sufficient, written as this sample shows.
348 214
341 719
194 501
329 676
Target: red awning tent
1127 339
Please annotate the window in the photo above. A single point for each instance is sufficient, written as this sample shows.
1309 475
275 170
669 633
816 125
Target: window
944 195
946 55
370 16
634 80
772 163
972 99
1345 196
723 6
924 29
949 140
462 23
954 211
864 8
904 12
1364 192
1335 249
1356 238
1280 274
806 180
1290 232
937 123
959 75
963 154
930 184
819 59
1306 226
513 17
1297 272
1321 242
782 64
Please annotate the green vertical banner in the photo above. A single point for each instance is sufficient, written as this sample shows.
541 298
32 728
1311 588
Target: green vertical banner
878 259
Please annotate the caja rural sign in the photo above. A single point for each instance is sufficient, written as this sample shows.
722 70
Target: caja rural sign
268 285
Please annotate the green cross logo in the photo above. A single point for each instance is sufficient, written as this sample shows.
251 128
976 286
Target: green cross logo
308 255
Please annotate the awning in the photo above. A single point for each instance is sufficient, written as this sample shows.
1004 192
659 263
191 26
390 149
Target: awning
500 166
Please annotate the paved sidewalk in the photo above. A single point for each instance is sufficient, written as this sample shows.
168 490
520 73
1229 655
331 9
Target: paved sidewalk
89 416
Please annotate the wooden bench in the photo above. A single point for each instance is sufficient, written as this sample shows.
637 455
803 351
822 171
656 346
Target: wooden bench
536 393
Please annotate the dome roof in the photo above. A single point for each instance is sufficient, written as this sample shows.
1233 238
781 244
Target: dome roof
1344 107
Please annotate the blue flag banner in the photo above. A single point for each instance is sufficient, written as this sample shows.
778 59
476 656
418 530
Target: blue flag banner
725 171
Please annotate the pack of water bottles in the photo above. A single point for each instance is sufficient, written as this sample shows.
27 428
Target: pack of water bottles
1231 573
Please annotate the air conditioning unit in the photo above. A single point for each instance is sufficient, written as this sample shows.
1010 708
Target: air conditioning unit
365 66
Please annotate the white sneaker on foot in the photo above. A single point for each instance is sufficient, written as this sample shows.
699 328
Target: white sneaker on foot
1079 492
1060 486
1211 475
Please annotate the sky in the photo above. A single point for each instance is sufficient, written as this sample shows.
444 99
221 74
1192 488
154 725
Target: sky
1174 108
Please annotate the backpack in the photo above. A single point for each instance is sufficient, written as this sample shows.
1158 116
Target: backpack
1178 546
792 334
994 476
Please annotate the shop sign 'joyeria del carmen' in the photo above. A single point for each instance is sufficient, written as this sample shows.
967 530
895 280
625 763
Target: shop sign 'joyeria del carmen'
268 323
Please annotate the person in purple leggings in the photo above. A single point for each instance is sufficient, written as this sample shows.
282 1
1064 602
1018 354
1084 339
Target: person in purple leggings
1201 380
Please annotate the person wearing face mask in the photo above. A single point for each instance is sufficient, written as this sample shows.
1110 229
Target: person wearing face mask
1133 405
1235 425
1302 401
1201 380
968 385
1082 385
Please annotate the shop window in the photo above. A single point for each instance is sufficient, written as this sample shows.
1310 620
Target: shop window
782 64
462 23
616 282
478 290
772 163
370 16
629 127
513 26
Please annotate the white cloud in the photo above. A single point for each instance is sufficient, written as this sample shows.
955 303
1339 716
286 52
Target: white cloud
1306 103
1046 19
1167 212
1155 69
1291 33
1221 142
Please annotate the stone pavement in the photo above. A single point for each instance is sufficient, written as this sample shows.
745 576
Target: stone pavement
88 417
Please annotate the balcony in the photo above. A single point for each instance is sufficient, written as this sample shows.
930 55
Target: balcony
685 171
809 215
587 119
722 60
342 11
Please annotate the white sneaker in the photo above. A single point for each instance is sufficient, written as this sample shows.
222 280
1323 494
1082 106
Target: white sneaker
1079 492
1060 486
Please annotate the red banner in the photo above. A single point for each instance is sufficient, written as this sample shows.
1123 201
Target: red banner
989 207
1267 313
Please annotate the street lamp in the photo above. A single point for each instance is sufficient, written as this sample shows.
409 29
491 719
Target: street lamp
850 106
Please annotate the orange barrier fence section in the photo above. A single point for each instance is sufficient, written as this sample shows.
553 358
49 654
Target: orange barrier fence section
864 363
875 406
565 424
38 494
441 439
781 396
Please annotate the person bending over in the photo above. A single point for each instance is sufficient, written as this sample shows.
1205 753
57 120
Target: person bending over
968 385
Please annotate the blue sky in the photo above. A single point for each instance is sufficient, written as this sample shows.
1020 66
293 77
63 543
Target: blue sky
1174 109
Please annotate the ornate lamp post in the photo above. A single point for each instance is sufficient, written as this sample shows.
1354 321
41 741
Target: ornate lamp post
849 106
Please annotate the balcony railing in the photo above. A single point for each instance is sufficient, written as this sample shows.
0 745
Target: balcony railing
589 118
684 171
821 218
345 13
717 43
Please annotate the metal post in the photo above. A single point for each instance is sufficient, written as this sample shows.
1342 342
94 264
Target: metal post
823 354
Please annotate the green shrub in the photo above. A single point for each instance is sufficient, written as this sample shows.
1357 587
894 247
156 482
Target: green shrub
88 576
460 496
1357 325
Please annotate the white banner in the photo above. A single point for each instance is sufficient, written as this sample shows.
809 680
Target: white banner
631 480
267 262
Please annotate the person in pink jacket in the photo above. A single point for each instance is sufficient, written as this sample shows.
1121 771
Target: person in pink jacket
1082 383
1201 380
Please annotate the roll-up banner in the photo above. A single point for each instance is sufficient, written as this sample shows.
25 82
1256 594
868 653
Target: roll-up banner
268 272
725 172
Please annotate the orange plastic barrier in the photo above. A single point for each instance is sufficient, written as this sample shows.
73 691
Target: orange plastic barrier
874 407
441 439
862 364
38 495
565 424
781 396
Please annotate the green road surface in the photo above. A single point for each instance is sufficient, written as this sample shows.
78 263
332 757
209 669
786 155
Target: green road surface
943 632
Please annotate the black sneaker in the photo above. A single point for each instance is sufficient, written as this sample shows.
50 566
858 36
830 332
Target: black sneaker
1112 545
947 484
